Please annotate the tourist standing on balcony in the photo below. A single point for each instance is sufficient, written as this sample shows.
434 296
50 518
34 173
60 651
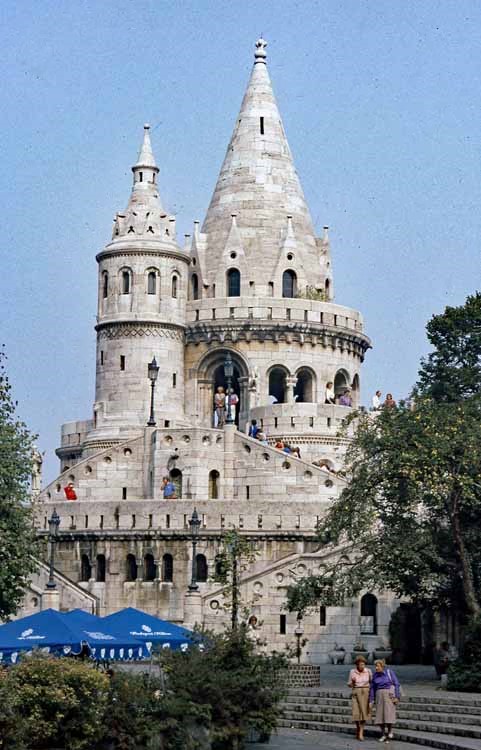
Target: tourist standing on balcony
330 396
386 691
360 682
376 401
346 399
219 407
389 402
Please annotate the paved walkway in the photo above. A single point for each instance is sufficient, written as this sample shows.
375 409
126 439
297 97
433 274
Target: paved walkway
291 739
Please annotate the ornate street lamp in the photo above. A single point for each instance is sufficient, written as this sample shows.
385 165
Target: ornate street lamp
194 524
299 632
53 524
152 371
229 374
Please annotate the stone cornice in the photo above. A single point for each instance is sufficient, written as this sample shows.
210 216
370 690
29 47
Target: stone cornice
175 535
129 328
223 331
163 252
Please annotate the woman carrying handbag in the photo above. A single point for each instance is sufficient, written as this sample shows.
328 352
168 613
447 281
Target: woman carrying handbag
386 691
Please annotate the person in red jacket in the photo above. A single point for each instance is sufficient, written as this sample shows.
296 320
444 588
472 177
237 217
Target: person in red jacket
70 493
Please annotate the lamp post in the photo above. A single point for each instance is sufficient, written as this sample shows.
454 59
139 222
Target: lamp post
194 524
53 524
229 374
152 371
299 632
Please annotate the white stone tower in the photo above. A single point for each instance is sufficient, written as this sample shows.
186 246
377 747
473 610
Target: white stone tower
141 312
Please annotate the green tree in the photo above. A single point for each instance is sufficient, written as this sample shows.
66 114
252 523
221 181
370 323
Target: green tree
410 515
17 538
234 557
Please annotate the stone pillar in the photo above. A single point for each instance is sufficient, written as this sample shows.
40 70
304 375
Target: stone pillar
290 385
228 484
192 609
51 599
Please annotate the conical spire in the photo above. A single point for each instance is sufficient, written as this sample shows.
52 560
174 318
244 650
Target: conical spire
146 155
259 183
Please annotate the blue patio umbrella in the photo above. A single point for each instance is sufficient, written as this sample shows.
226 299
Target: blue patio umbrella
52 632
103 638
147 627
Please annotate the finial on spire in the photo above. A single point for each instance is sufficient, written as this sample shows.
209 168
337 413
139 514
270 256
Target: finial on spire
260 53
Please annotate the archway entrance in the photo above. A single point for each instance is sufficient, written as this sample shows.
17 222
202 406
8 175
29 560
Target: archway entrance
277 385
210 375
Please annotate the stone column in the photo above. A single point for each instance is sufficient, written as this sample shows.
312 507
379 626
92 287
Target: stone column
192 609
290 385
228 483
51 599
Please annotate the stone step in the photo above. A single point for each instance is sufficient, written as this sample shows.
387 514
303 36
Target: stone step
413 704
427 739
458 730
403 712
442 700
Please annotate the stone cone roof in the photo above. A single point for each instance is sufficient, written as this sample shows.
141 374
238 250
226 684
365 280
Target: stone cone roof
259 184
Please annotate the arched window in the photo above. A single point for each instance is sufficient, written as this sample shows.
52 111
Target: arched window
85 568
277 385
233 282
175 280
167 568
176 477
101 568
152 282
194 286
213 484
131 570
289 284
150 568
369 614
126 281
341 382
304 392
105 284
200 568
327 287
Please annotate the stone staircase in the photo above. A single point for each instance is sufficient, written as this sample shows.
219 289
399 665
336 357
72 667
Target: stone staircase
447 722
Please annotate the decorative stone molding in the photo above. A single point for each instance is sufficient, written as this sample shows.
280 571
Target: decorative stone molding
302 333
112 252
121 329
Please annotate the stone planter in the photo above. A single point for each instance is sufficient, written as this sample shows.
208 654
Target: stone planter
382 653
337 657
355 654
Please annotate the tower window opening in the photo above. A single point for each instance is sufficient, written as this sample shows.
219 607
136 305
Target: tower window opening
197 315
124 493
233 282
151 281
174 380
167 521
151 520
322 616
101 357
282 624
125 282
150 568
167 568
248 492
105 284
131 568
194 286
271 288
277 385
153 178
289 283
201 568
213 484
122 361
100 569
261 125
174 286
85 568
141 176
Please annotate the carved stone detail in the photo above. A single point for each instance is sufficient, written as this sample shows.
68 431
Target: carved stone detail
131 330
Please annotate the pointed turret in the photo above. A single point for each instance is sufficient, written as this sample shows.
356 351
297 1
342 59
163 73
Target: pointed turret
144 215
258 182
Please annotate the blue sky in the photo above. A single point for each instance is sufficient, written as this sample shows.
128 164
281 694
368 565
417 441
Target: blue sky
380 101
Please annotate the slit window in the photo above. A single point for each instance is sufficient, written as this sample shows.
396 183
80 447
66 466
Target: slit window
322 616
122 361
174 380
282 624
105 284
261 125
101 357
125 282
141 176
174 286
151 283
124 493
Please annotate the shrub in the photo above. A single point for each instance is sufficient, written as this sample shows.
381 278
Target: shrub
464 675
49 702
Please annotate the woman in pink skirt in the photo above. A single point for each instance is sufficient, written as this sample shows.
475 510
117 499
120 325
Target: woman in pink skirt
360 682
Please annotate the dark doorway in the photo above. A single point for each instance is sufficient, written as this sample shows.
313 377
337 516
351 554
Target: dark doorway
304 390
219 380
277 385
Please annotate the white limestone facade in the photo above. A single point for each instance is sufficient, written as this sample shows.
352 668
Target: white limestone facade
255 282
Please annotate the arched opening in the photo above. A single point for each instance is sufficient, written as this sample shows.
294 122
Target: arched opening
201 568
341 383
210 376
100 577
304 391
105 284
85 568
194 286
176 478
221 382
151 282
131 568
233 282
277 385
126 279
355 387
213 484
150 568
167 568
289 284
174 286
327 288
368 615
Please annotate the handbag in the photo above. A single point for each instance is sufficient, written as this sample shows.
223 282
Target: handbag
392 689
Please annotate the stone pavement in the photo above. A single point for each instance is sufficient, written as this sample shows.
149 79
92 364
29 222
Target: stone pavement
292 739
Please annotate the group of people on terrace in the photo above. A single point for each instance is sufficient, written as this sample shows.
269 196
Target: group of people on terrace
225 405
